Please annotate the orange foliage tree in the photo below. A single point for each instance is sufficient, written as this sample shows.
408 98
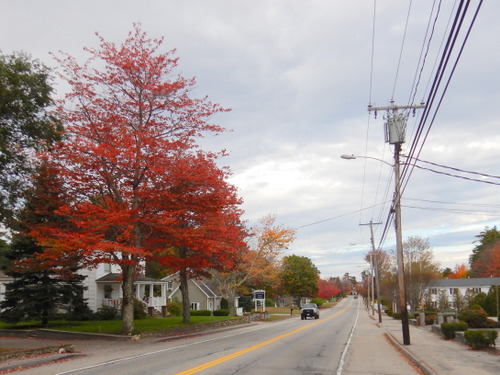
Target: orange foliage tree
141 187
258 263
461 271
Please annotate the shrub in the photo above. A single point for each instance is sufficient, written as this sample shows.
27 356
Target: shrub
396 316
430 319
449 329
200 313
221 312
480 339
106 313
139 312
174 308
318 301
474 318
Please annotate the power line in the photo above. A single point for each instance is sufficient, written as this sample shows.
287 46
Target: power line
456 211
423 56
455 203
339 216
459 19
402 48
456 169
458 176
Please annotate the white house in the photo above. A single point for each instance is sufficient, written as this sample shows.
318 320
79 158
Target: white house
104 288
451 287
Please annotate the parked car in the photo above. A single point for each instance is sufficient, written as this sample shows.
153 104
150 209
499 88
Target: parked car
309 310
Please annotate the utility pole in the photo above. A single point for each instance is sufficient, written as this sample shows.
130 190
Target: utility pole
374 262
395 128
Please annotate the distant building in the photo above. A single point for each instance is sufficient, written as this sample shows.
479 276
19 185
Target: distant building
451 287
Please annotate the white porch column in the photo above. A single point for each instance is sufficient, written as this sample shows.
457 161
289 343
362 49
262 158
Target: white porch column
138 291
151 294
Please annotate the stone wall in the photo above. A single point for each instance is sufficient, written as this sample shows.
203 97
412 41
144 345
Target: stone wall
196 328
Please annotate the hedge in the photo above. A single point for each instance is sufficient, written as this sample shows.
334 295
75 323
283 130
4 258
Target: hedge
480 339
449 329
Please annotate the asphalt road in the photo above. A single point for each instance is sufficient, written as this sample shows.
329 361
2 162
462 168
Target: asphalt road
292 346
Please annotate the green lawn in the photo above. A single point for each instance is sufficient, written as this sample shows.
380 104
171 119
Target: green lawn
114 326
141 325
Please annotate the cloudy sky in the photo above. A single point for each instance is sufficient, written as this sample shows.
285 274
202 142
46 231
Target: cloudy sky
298 76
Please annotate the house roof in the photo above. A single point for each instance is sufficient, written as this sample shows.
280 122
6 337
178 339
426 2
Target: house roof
117 277
465 283
205 288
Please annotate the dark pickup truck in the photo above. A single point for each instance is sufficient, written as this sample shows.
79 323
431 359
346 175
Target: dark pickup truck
309 310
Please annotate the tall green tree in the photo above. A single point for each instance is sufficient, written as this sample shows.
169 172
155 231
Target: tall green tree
41 288
299 277
26 124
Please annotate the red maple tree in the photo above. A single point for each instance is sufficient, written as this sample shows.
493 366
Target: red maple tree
327 289
140 185
488 263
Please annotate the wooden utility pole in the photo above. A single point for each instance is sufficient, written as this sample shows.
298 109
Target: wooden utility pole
395 129
374 261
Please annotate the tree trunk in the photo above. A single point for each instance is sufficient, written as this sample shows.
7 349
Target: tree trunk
231 301
128 272
186 305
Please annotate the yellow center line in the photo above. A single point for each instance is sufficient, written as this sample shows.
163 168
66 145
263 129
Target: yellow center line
228 357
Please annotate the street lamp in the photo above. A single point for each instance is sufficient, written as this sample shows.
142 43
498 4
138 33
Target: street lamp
399 239
352 156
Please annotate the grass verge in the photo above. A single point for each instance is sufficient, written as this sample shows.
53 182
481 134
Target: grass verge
114 326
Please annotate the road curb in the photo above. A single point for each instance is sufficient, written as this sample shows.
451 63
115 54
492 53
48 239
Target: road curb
414 359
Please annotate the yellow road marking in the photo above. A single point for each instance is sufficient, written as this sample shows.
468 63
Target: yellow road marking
215 362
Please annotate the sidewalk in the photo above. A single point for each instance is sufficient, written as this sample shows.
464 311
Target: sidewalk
428 353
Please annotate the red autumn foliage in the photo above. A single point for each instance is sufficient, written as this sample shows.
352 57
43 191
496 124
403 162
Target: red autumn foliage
488 264
461 271
327 289
140 187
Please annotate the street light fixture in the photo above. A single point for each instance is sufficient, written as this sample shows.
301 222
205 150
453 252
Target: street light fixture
352 156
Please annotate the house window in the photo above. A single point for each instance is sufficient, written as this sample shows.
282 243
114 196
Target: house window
453 290
195 305
108 289
433 291
477 290
170 286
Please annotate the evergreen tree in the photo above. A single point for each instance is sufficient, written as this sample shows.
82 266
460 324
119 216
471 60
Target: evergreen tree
42 286
486 239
